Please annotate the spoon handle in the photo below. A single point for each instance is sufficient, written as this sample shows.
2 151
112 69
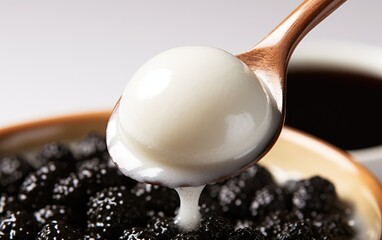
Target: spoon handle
270 57
280 43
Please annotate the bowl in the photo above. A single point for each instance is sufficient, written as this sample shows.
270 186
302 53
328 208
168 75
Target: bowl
296 154
338 97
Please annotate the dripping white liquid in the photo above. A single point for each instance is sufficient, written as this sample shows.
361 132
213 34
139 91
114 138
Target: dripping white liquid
189 216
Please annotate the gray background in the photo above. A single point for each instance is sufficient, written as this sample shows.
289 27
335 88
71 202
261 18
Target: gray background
60 57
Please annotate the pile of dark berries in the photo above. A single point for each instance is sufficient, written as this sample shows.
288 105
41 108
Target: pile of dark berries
77 193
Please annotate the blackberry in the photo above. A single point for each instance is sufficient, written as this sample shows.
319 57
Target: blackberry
36 190
59 153
209 207
92 145
245 234
215 227
90 163
137 233
273 223
69 191
96 177
156 198
50 213
314 195
299 230
190 236
246 223
163 228
8 203
111 210
13 170
332 225
234 196
91 176
55 230
18 225
267 199
82 188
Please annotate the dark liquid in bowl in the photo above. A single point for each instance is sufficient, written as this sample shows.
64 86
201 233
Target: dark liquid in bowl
342 108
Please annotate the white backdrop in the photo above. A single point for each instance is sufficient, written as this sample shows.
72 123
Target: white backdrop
60 57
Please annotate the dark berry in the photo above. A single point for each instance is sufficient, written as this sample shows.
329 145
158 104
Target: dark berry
50 213
79 188
36 190
157 198
299 230
91 176
95 177
59 153
209 206
314 194
69 191
246 234
18 225
234 196
266 200
273 223
163 228
215 227
246 223
92 145
8 203
89 163
137 233
111 211
13 170
56 230
332 225
190 236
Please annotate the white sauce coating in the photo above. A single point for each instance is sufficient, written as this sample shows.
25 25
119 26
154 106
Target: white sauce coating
190 116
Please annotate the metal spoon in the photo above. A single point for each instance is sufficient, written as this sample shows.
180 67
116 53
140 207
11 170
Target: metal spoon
268 60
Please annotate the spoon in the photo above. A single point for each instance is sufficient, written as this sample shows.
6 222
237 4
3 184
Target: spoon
243 118
269 59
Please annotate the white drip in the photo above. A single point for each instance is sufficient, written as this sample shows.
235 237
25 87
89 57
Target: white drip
189 216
